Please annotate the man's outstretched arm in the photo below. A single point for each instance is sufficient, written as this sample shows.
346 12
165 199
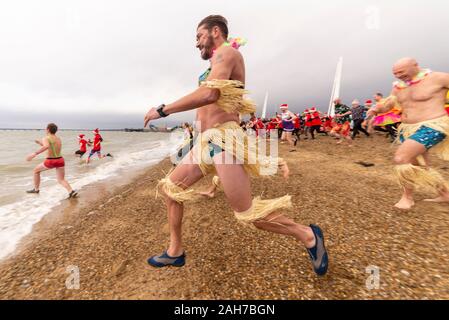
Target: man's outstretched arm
222 65
45 145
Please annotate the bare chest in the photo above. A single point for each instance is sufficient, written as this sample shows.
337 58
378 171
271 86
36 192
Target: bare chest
421 92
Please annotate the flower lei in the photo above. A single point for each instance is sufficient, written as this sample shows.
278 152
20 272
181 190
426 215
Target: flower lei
236 43
417 79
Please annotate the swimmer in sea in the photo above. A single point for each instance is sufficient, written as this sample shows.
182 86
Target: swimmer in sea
53 145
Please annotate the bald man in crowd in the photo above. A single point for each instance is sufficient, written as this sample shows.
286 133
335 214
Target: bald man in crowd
425 125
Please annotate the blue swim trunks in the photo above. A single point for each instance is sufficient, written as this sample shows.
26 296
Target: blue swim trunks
426 136
92 152
214 149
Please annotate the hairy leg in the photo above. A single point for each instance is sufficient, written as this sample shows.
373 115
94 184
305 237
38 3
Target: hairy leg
60 176
240 199
408 153
289 137
184 175
37 175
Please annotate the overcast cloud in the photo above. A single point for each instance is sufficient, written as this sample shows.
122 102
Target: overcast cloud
107 62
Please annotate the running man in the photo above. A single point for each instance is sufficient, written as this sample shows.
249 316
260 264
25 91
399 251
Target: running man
98 139
425 125
327 123
358 116
315 122
297 130
53 145
83 143
307 123
219 101
389 121
342 128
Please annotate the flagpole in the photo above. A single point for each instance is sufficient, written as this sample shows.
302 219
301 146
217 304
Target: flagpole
336 87
264 111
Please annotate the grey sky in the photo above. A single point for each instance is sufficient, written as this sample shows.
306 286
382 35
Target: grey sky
64 60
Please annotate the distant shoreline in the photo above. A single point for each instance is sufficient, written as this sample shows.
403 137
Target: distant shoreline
116 130
34 129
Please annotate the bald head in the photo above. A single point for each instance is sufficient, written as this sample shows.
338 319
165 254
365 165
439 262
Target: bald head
406 62
405 69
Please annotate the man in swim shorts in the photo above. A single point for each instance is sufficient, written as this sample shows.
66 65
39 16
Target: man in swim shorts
219 101
425 125
53 145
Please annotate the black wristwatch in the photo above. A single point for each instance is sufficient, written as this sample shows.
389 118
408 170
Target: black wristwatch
161 112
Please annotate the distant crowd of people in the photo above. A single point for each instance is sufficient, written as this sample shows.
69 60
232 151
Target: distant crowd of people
345 125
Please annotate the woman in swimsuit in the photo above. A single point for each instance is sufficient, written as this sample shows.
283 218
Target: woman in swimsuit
53 145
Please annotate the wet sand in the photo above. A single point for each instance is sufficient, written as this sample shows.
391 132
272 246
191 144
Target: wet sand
109 238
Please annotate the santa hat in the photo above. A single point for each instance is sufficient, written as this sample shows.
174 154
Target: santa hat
81 136
96 131
313 109
368 102
284 106
306 111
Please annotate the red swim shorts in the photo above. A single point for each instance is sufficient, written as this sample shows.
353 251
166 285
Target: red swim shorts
54 163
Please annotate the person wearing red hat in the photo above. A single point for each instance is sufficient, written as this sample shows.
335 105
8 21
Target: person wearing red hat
342 127
307 123
273 126
326 124
288 126
279 125
297 130
97 147
259 126
315 122
83 143
256 125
